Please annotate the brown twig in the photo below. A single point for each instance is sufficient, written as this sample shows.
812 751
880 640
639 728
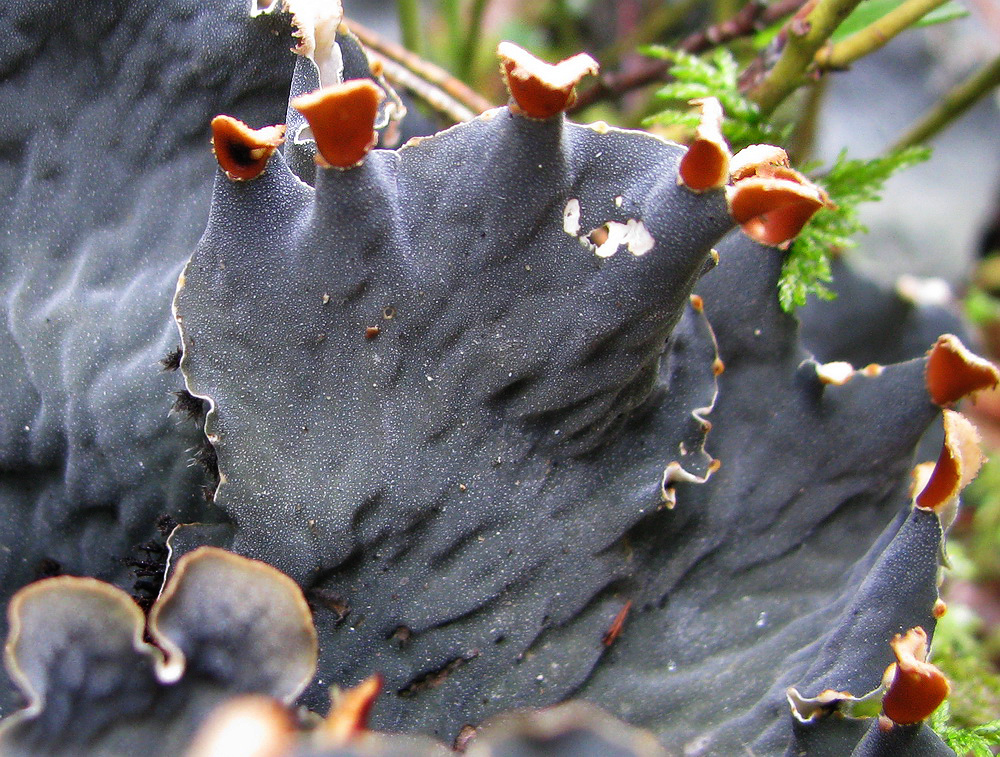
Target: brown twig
429 82
753 17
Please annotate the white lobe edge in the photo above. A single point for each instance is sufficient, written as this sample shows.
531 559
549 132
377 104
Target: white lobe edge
811 709
674 472
316 23
837 373
560 76
928 292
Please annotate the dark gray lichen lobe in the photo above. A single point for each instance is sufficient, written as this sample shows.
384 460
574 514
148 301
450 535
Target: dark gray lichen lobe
443 402
449 475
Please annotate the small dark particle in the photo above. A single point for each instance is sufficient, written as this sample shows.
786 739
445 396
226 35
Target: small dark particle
434 678
617 624
47 568
153 548
371 332
207 458
172 360
186 404
165 524
143 568
389 313
149 571
330 601
401 636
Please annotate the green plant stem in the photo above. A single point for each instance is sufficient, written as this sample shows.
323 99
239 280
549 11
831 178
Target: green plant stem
470 45
875 35
805 38
803 137
451 11
954 103
409 24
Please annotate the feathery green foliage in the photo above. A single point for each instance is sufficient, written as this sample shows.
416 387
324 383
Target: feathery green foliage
716 75
849 183
977 741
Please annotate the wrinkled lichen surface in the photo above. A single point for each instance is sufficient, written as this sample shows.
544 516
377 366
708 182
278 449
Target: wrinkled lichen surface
460 393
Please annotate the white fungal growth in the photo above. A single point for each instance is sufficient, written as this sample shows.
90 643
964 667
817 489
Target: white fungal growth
571 217
838 373
605 240
632 234
638 239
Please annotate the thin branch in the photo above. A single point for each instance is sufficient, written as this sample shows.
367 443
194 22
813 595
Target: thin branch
429 82
842 54
753 17
805 38
955 102
803 136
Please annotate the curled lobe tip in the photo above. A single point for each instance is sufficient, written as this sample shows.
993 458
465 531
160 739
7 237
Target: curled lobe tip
243 152
957 465
916 687
349 714
769 200
954 371
539 89
705 165
342 119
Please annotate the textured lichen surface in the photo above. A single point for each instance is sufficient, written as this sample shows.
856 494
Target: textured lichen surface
104 110
468 415
442 401
870 323
467 471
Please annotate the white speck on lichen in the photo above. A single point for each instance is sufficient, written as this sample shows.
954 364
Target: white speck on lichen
571 217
